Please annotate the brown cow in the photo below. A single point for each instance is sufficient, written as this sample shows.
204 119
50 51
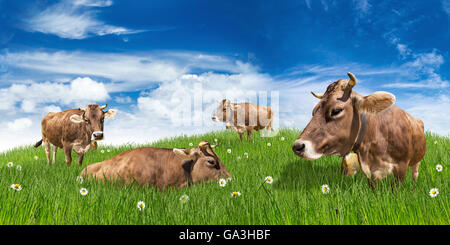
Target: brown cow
386 138
161 167
244 117
76 129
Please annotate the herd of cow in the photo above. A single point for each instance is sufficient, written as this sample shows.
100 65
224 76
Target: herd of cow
384 138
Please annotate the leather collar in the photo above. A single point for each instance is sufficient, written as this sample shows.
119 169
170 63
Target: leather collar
361 133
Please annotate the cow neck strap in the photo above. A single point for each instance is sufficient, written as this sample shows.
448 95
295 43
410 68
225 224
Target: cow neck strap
187 167
361 133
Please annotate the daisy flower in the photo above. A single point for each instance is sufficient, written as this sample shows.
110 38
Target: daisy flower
184 198
36 157
434 192
80 179
19 168
16 187
435 142
83 191
269 144
108 150
282 138
10 165
215 140
222 182
245 154
229 150
141 205
268 179
439 168
190 144
102 151
235 194
238 158
325 189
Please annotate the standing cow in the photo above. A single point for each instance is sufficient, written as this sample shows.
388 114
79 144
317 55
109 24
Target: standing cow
244 117
161 167
386 138
76 129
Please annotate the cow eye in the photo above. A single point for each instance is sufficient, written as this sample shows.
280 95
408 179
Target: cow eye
211 162
224 109
334 112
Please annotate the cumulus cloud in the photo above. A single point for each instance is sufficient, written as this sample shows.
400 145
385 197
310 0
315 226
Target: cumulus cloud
20 124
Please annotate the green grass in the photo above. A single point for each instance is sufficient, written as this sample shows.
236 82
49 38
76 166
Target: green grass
51 194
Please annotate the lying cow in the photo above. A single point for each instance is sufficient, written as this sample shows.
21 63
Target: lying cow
244 117
161 167
386 138
74 129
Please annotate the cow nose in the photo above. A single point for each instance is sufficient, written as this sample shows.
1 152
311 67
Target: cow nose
298 147
214 118
98 135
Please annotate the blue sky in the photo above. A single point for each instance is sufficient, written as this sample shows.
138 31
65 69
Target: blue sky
141 56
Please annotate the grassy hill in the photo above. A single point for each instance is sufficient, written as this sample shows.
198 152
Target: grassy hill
51 194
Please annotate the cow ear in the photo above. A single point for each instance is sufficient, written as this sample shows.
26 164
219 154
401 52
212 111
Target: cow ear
110 113
76 118
375 102
184 154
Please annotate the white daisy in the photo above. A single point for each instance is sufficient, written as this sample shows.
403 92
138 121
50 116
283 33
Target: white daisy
80 179
19 168
229 150
439 168
325 189
282 138
268 179
238 158
435 142
36 157
108 150
184 198
191 144
235 194
102 151
245 154
83 191
434 192
16 187
215 140
269 144
222 182
141 205
10 165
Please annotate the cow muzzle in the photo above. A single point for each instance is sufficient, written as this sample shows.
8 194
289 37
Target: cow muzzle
305 149
97 135
215 119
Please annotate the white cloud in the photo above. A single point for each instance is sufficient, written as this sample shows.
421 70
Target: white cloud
362 7
20 124
74 20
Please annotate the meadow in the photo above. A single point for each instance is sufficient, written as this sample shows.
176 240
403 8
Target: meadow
51 194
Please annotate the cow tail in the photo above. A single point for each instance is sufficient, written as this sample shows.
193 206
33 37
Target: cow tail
38 144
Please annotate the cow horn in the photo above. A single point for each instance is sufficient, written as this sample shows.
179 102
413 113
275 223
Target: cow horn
203 143
103 107
352 80
319 96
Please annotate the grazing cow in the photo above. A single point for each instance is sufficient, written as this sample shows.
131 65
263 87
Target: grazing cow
244 117
76 129
386 138
161 167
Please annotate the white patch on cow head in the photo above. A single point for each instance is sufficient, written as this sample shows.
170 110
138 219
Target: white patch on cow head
110 113
76 118
309 152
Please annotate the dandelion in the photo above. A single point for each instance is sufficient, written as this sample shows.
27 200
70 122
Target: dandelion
282 138
16 187
36 157
191 144
141 205
222 182
235 194
325 189
80 179
83 191
245 154
184 198
268 144
229 150
10 165
102 151
434 192
439 168
19 168
268 179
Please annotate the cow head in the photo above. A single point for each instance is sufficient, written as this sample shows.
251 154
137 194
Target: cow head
93 118
335 124
224 112
202 163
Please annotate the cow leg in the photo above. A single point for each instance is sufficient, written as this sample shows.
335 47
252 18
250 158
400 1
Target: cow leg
55 149
240 135
80 159
68 154
415 174
47 147
249 134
